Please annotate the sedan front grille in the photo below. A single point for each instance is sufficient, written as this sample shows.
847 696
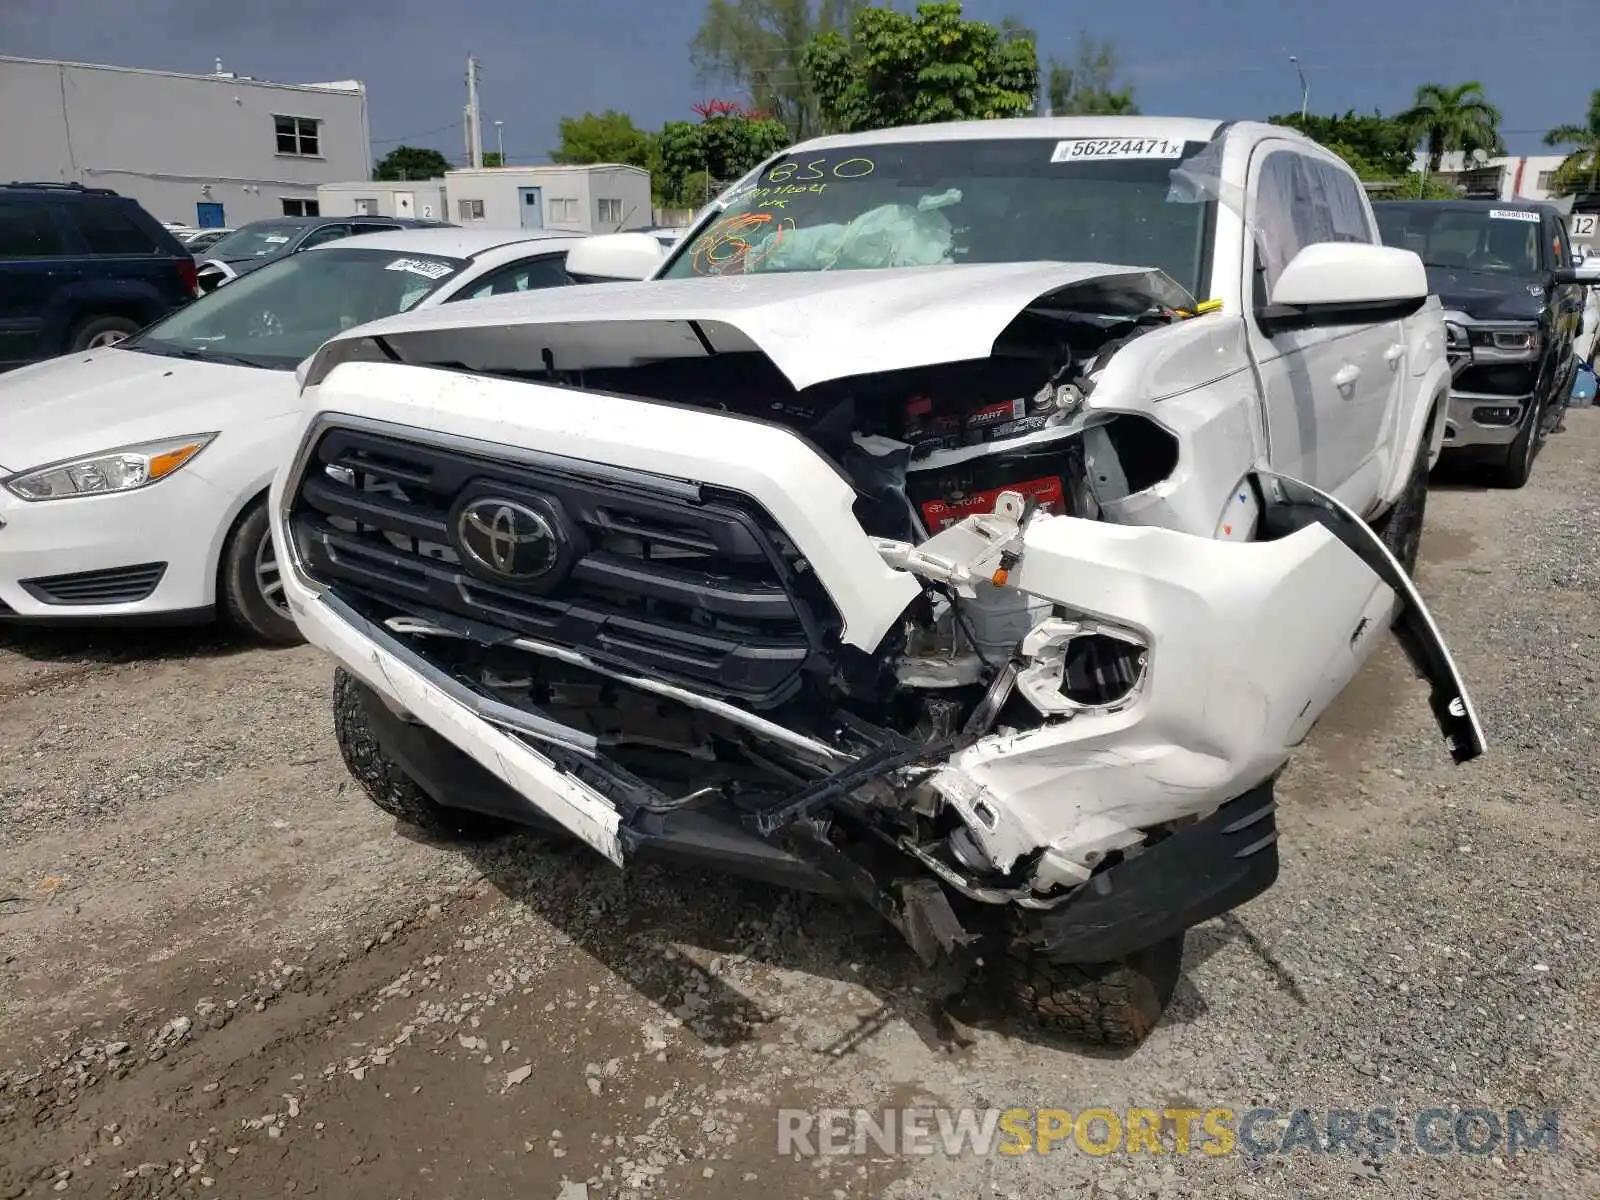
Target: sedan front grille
680 581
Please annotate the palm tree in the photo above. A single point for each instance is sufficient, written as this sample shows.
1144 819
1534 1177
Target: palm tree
1585 160
1452 118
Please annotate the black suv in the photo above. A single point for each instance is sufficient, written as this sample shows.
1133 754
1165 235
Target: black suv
1513 296
82 267
253 246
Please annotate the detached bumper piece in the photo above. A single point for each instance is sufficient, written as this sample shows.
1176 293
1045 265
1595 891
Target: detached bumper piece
117 585
455 779
1197 873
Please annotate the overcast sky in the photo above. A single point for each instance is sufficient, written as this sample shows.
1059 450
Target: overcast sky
1538 59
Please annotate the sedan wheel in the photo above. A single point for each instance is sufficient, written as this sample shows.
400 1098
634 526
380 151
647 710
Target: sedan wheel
269 578
251 585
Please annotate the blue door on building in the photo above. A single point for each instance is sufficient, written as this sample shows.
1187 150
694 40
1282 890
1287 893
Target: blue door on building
532 208
208 215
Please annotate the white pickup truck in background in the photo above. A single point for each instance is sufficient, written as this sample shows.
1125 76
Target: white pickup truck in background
968 518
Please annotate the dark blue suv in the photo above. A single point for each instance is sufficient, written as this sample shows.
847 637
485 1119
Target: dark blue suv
82 267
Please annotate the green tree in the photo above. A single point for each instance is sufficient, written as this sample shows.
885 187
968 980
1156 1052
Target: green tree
1581 169
608 137
1089 86
411 162
697 159
1376 147
491 158
758 46
1013 29
904 69
1446 118
1417 185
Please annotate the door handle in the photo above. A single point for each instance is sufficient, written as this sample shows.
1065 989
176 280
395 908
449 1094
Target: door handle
1346 375
1394 353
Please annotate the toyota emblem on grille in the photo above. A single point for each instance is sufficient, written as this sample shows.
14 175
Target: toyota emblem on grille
507 539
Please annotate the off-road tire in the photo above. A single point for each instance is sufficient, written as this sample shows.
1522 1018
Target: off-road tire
1400 529
1108 1004
239 592
90 328
386 781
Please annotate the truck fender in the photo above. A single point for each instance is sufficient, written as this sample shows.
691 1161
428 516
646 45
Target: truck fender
1291 504
1422 419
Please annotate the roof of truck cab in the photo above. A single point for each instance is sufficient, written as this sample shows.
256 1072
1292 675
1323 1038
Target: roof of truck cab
1188 129
1538 206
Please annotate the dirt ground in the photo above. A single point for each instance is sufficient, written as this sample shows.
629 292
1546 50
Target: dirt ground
223 973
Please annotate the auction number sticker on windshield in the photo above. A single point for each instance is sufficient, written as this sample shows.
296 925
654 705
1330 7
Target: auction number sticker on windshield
1100 149
1512 214
421 266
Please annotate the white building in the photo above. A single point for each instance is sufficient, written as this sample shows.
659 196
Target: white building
217 149
423 199
593 198
1505 178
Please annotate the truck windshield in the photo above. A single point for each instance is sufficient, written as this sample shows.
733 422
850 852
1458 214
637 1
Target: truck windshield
1495 241
1104 200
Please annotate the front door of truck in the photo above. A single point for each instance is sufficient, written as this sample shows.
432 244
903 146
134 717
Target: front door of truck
1327 391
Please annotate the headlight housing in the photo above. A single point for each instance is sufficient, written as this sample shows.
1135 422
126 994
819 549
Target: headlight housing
1516 339
124 469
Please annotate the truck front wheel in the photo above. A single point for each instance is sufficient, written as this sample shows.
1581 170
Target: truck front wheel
1110 1004
1400 529
386 782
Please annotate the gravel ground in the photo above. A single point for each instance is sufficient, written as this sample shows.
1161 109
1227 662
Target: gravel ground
223 973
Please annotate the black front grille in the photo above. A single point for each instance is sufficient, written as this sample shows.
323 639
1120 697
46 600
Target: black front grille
119 585
1508 379
672 579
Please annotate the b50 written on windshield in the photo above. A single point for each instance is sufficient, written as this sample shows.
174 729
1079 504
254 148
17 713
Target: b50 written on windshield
821 168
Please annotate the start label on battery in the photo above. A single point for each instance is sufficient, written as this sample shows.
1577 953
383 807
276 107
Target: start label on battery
1047 493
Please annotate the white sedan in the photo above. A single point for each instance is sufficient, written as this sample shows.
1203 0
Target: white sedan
135 475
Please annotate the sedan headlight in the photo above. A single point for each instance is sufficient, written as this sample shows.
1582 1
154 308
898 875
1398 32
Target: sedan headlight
121 470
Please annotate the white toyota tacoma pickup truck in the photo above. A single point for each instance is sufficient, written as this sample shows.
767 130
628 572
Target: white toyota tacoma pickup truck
967 518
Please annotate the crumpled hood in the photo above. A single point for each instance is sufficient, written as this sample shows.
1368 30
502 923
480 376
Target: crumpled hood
1485 297
814 326
102 399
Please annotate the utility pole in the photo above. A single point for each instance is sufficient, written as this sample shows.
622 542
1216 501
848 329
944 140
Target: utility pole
474 118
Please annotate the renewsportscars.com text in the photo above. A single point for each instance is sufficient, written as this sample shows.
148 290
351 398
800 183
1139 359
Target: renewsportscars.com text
1211 1132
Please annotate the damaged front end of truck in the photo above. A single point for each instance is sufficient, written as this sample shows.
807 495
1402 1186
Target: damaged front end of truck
855 622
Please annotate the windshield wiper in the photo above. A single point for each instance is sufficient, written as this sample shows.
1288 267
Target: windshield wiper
237 360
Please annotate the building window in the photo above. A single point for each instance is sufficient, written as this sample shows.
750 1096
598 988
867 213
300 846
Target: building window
1546 178
564 212
301 208
367 207
470 210
611 212
298 136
